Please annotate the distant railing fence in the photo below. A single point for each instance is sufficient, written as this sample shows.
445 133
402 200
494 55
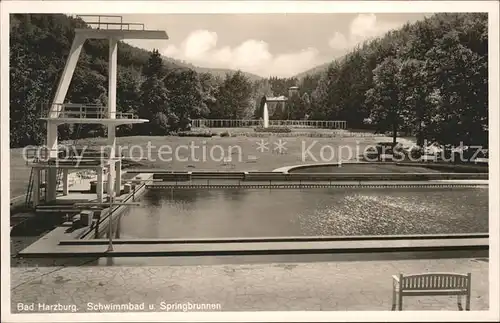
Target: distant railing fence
243 123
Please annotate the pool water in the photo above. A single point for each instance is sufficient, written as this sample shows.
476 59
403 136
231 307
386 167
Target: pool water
200 213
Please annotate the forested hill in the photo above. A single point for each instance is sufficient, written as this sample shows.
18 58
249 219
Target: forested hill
217 72
315 70
429 77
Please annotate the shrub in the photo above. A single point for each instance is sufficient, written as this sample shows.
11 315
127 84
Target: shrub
386 147
416 152
160 124
370 153
194 134
273 129
225 134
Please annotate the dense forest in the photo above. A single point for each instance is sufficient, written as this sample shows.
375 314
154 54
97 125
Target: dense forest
429 78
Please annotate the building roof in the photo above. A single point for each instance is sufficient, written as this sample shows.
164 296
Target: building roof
275 98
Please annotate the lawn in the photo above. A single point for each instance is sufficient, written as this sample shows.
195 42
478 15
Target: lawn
208 153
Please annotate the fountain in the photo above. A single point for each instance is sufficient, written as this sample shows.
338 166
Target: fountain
265 116
269 106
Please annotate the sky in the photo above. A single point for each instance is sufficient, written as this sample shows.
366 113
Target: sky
265 44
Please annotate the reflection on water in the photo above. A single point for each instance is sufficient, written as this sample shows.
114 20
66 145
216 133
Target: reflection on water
310 212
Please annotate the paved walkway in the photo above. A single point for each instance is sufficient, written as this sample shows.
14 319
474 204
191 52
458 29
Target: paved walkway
329 286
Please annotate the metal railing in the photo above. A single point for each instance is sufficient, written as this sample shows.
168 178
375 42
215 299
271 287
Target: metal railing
82 111
103 23
242 123
66 155
73 161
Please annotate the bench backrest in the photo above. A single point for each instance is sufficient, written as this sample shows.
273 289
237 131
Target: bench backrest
435 281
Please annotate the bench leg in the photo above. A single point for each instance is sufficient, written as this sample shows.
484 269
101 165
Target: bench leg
400 302
393 300
459 303
467 303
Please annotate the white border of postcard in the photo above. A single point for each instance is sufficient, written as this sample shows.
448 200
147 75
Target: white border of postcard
171 7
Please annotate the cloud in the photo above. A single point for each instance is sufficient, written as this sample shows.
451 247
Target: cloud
254 56
363 27
339 41
199 43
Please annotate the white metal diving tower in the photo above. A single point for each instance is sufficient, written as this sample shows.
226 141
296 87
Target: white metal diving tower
64 113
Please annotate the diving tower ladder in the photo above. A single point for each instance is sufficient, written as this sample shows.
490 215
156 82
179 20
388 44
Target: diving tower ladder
41 184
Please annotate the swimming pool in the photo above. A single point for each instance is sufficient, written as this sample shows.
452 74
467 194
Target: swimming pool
222 213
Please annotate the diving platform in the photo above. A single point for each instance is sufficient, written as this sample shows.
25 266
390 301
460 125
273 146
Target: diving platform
121 33
105 27
61 113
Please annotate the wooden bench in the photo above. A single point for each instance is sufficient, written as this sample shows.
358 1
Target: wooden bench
432 284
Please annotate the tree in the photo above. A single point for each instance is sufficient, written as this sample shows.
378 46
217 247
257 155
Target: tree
295 107
384 97
414 92
280 86
324 96
88 87
186 96
306 101
154 66
160 124
26 87
128 95
309 83
260 89
460 78
210 86
154 99
234 97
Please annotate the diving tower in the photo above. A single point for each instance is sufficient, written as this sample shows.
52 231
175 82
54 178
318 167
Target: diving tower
113 29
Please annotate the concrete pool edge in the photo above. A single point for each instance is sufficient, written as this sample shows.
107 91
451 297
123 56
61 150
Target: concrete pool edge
269 177
281 239
290 169
314 184
287 169
195 248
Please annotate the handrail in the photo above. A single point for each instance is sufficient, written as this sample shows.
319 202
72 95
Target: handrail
102 16
122 25
101 24
76 110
